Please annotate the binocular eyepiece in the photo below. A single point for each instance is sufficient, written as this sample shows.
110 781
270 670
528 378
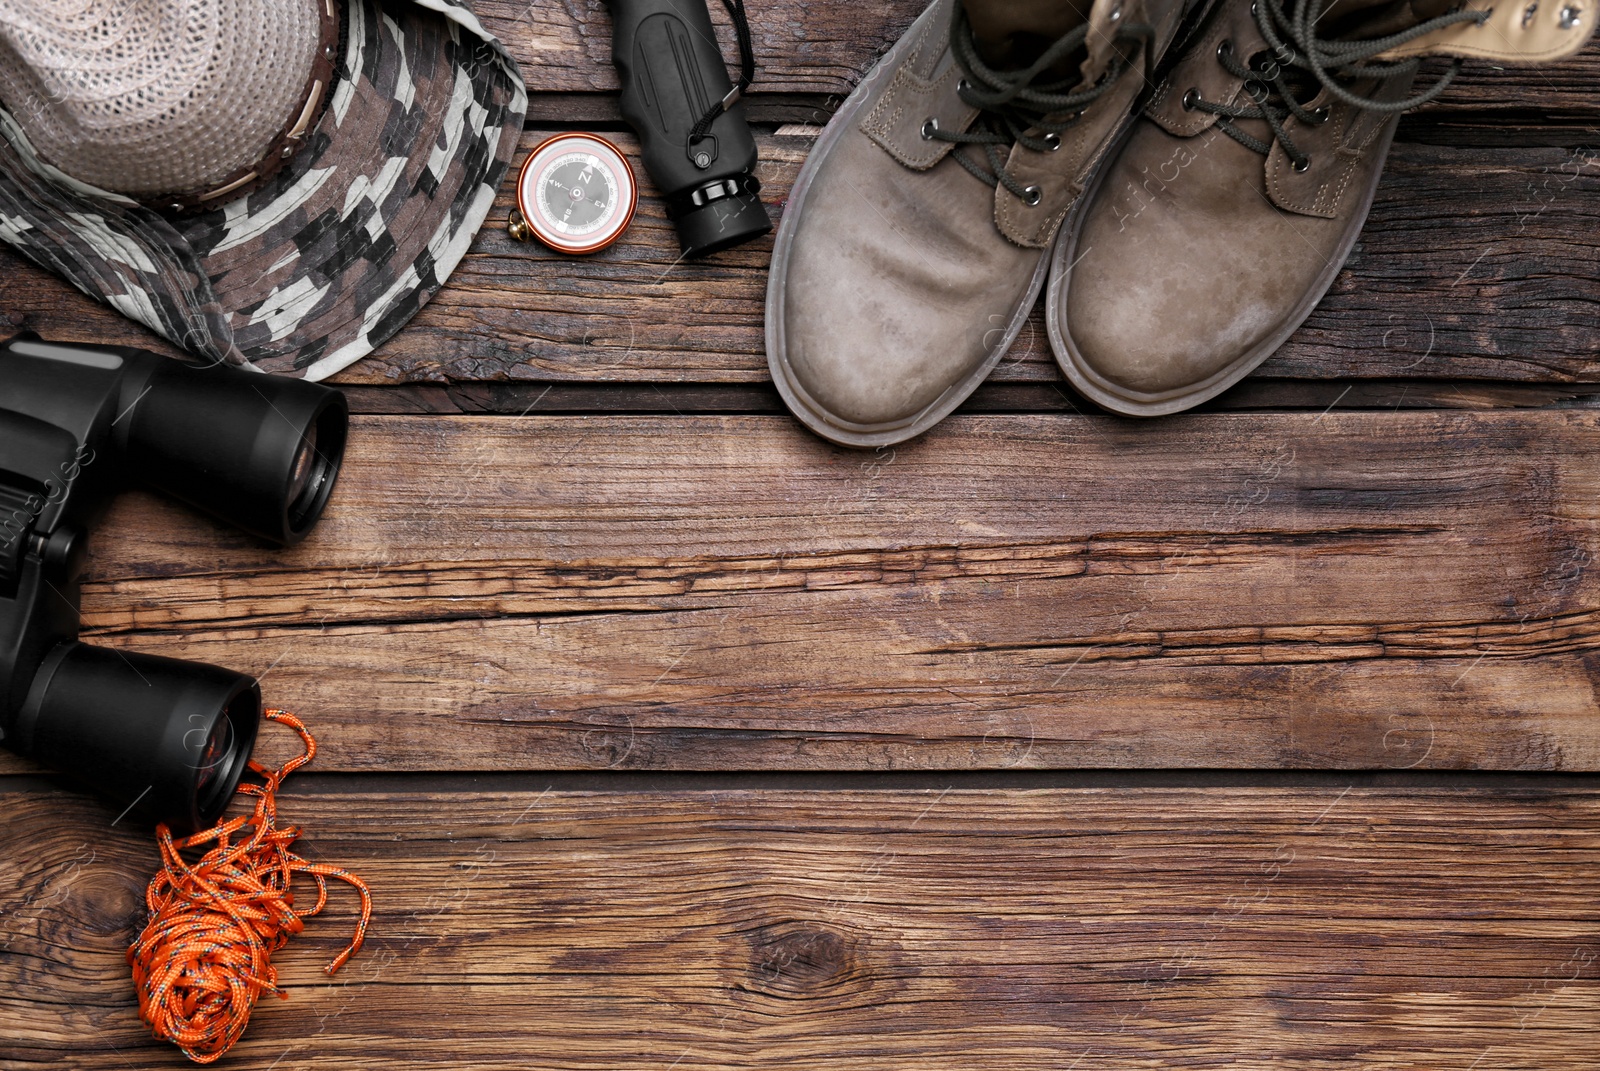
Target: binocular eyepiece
79 423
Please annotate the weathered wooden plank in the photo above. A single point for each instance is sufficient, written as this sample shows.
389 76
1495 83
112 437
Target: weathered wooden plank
1483 124
684 399
801 47
1130 928
824 48
1338 590
1476 263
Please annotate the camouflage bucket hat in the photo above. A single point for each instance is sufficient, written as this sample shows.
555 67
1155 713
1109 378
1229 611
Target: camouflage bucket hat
319 170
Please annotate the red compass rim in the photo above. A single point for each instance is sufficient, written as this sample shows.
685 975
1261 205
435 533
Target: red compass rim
554 241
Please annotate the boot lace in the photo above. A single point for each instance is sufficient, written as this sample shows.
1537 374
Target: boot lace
1026 106
1281 80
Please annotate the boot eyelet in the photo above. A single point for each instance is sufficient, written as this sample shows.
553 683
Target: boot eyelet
1190 99
1321 115
928 127
1032 195
1570 16
1527 16
1052 141
1226 48
963 85
1302 166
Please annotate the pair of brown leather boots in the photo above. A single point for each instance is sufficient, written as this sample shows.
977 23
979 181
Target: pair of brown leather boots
1187 175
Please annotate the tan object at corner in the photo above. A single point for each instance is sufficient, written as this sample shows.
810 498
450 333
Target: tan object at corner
1521 31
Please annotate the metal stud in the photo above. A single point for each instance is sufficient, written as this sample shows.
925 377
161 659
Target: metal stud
518 227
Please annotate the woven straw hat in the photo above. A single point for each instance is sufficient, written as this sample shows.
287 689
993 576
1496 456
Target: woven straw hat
282 183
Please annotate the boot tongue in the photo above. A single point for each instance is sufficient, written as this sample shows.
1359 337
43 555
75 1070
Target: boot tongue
1011 34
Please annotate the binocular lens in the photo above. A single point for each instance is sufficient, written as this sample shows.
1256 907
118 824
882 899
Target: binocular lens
300 476
312 472
216 762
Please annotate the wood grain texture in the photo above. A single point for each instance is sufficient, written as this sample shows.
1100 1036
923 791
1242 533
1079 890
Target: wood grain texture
1476 263
522 591
803 46
1121 929
1343 590
694 399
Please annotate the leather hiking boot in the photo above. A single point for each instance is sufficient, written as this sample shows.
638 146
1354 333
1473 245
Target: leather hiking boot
1214 228
914 242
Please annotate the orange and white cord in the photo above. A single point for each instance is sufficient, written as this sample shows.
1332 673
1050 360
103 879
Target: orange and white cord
204 957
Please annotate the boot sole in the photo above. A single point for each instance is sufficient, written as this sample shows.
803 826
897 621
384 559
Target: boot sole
1109 395
805 408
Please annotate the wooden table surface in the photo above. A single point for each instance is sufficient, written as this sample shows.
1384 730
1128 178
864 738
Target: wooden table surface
669 736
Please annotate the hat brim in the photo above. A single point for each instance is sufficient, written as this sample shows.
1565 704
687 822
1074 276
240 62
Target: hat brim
345 243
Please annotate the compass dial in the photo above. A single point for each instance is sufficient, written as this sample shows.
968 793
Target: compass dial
576 193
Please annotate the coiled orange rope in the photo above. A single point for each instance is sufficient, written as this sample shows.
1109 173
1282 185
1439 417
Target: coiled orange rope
204 957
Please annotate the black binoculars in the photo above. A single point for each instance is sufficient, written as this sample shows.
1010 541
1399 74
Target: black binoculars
79 423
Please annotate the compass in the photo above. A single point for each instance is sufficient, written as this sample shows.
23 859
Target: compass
576 194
